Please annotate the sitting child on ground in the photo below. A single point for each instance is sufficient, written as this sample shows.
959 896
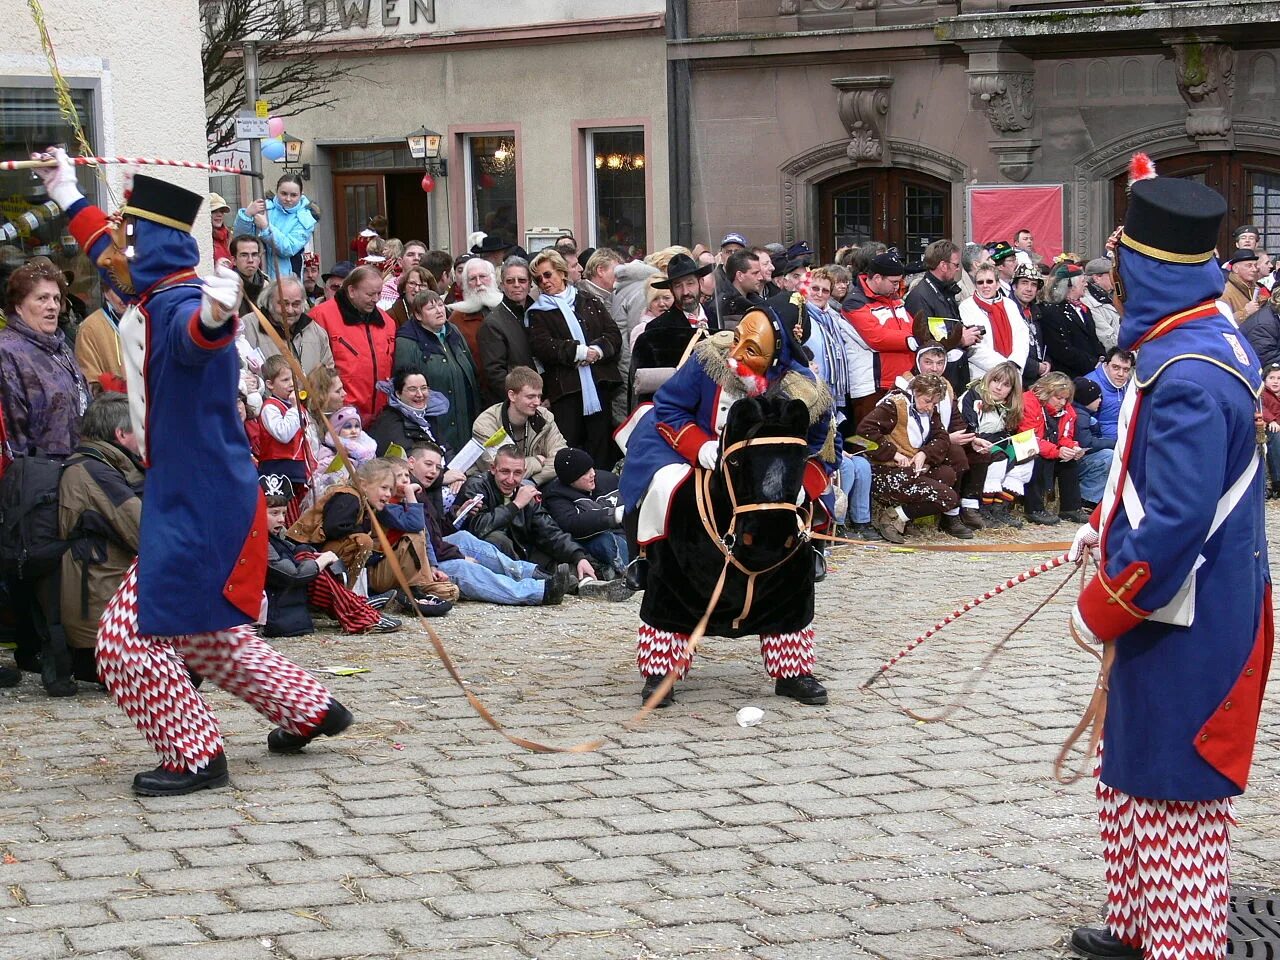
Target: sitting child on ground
992 408
299 578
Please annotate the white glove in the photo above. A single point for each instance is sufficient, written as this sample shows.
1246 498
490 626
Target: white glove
221 296
617 514
1087 538
60 181
1082 628
709 455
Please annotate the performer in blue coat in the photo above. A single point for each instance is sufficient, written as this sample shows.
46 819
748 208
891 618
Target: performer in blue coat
1182 596
202 555
681 430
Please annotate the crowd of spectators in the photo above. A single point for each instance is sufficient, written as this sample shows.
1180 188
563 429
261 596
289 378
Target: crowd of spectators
469 403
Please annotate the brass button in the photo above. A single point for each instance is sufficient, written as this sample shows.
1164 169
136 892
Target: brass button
254 533
1204 737
1248 671
241 561
1227 705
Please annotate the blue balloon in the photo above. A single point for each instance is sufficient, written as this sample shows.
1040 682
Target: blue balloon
273 150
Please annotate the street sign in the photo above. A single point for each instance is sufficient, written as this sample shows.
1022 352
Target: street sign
252 128
261 108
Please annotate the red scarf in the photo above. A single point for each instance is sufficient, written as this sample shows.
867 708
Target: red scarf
1001 329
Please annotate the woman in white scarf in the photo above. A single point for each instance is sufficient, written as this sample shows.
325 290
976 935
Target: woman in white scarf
577 341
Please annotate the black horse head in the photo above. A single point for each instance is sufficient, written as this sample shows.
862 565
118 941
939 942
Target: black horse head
763 473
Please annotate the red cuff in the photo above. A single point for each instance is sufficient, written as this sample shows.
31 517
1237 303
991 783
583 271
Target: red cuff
1106 603
87 225
200 336
687 441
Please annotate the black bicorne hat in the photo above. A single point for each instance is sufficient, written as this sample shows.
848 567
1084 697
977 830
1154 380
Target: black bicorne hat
162 202
491 244
1173 220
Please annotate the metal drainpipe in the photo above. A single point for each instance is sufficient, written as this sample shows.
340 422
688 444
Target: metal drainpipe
679 154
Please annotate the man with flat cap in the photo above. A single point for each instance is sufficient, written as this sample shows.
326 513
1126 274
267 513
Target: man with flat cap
197 585
1181 600
666 339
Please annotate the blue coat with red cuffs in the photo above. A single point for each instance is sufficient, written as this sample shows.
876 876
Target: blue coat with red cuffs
1184 701
690 409
202 555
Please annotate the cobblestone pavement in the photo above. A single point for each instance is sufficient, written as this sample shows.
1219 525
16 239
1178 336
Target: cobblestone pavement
824 833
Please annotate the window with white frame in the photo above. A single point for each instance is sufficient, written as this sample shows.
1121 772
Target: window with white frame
490 171
617 207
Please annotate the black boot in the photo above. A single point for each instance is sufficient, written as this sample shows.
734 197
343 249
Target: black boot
1098 943
10 677
865 531
803 688
162 782
650 685
336 719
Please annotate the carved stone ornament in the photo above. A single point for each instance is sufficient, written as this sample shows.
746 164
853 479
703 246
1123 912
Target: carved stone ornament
1015 157
863 103
1006 97
1205 73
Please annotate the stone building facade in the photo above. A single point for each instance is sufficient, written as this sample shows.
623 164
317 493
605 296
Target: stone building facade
838 120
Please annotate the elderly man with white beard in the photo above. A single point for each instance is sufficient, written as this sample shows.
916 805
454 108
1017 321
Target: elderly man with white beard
480 294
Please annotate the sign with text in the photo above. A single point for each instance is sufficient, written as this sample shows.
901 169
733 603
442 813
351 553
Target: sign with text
252 128
366 14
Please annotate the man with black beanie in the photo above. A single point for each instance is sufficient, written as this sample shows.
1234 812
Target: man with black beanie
583 501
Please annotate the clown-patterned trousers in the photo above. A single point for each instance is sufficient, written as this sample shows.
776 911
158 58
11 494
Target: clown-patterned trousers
1168 873
148 677
660 652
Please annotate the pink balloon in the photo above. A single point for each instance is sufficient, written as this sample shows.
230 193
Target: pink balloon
275 126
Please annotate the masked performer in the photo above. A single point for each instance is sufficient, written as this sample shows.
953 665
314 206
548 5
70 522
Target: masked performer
201 566
1182 596
758 359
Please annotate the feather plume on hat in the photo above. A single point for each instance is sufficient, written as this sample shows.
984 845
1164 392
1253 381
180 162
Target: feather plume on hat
1141 167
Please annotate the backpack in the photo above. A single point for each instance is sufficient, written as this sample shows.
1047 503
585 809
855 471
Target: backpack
30 546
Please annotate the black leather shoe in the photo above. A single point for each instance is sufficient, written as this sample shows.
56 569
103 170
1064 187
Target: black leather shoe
1097 943
1074 516
865 531
804 688
1042 517
650 685
61 687
162 782
559 584
337 719
10 677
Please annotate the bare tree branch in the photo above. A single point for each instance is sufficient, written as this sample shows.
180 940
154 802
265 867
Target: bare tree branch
291 74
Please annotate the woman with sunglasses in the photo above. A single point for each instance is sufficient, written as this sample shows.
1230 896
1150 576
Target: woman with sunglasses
1005 336
577 342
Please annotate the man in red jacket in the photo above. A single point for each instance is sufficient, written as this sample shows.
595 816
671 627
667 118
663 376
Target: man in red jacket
877 312
362 337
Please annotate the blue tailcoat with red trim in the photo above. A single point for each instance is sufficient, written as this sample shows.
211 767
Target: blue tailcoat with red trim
202 554
1184 701
684 416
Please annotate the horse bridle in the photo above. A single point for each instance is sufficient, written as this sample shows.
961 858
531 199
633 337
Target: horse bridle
726 541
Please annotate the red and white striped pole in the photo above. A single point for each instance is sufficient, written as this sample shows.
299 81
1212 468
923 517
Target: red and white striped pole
959 612
129 161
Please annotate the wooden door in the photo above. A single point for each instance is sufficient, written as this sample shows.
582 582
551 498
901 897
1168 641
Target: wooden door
899 208
357 196
1250 182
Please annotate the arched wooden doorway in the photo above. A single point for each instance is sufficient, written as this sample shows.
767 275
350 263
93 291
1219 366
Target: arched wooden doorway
902 208
1249 181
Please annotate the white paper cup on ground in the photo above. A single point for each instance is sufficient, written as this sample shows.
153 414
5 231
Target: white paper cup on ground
750 716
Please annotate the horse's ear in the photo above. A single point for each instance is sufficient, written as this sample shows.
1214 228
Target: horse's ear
796 417
743 415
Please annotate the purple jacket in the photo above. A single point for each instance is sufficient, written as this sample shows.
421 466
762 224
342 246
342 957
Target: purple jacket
42 389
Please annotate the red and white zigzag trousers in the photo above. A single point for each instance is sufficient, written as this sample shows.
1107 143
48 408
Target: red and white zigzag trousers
659 652
148 678
1168 873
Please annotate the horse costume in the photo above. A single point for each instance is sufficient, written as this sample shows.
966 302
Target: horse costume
198 581
769 428
1182 596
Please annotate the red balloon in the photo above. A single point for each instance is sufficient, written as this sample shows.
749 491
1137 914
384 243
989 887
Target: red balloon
428 183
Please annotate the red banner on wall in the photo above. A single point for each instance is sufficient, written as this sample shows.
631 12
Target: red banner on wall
998 213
